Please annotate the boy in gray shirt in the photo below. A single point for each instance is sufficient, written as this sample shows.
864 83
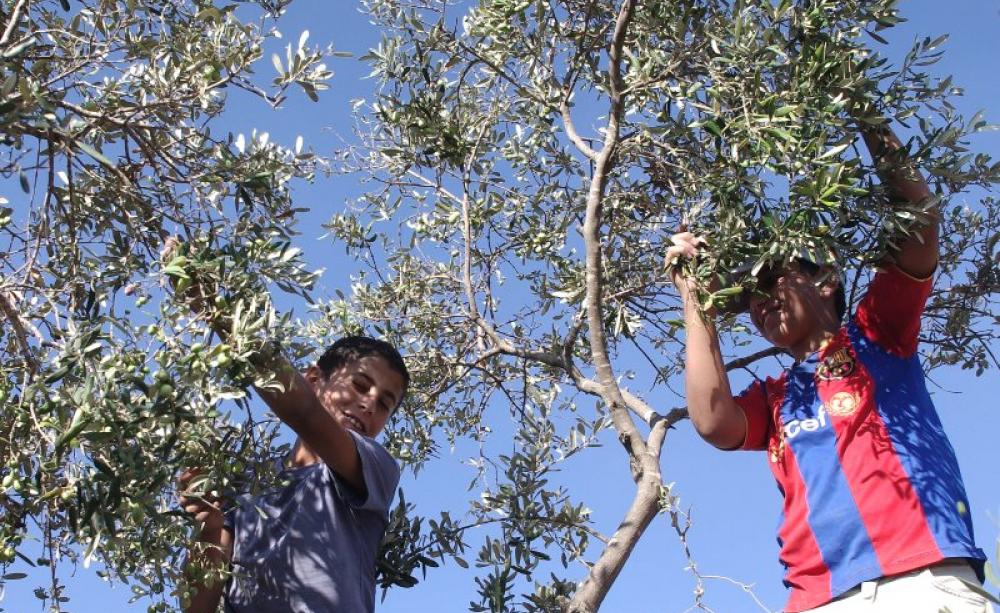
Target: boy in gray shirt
310 546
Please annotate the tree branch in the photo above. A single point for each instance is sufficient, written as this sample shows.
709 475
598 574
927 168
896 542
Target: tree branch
753 357
19 331
15 16
571 132
645 468
605 571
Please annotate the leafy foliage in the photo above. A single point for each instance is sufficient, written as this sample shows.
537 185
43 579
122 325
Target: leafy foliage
528 161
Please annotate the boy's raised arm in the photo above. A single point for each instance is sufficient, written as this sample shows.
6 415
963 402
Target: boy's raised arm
299 407
917 254
713 411
296 404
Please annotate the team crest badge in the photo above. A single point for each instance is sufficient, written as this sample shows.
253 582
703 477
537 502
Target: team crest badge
837 365
843 404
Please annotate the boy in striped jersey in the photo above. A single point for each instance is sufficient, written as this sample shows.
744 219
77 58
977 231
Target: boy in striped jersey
875 515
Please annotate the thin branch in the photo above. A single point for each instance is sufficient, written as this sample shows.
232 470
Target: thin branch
15 16
645 468
753 357
20 331
571 132
500 72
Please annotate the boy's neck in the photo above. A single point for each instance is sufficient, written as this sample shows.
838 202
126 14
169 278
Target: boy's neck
301 455
815 342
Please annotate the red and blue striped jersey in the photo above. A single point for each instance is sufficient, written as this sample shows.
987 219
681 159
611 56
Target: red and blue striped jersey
870 482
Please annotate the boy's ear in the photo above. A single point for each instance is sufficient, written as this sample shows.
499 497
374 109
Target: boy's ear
313 374
829 281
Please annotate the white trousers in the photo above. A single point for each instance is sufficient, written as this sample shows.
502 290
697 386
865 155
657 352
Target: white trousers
951 587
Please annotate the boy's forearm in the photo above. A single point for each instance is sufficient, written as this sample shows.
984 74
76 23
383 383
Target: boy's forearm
216 554
294 403
714 413
916 255
295 400
297 405
897 172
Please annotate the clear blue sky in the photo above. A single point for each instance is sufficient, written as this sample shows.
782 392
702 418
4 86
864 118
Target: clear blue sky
735 502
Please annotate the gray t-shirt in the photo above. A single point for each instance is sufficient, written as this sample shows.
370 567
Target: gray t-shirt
310 546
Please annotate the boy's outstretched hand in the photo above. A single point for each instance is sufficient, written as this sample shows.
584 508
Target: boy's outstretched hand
686 246
204 507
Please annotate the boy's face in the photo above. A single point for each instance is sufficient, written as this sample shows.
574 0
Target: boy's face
789 307
361 395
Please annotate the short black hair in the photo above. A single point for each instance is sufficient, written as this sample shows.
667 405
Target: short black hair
839 296
352 348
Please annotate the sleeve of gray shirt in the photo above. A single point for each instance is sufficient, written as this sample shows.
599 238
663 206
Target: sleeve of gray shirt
381 475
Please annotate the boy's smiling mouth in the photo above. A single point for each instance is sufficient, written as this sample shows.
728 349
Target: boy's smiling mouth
354 422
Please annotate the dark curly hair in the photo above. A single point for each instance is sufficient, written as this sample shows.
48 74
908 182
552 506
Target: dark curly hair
352 348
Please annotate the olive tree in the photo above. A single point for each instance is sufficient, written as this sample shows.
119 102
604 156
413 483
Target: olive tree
528 161
109 117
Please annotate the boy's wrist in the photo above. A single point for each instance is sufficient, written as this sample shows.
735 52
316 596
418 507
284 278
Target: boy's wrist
689 291
212 528
681 281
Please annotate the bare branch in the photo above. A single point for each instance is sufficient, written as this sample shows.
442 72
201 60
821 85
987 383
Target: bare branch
10 312
15 16
602 575
645 468
571 132
753 357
